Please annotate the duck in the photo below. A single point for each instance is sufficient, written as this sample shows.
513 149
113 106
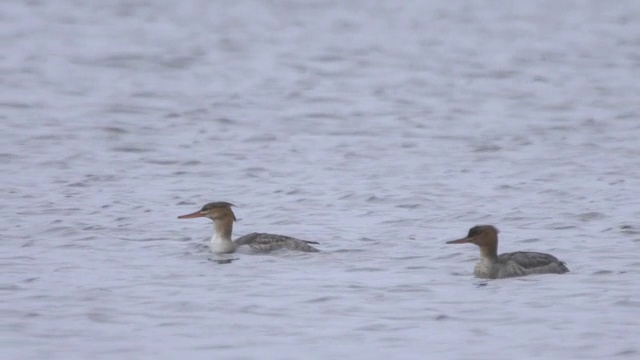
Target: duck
221 242
506 265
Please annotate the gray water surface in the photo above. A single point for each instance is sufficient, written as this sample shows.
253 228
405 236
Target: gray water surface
379 129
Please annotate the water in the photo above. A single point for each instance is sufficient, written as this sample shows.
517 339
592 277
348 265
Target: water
380 129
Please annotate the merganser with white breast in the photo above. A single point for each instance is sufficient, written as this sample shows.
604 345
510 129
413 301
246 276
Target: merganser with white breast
520 263
223 217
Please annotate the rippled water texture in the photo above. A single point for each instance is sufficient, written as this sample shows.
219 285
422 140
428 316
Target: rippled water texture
379 129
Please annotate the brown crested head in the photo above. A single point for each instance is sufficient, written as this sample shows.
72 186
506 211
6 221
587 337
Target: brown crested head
219 210
481 235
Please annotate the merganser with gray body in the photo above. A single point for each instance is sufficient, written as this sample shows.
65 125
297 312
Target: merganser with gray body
223 217
520 263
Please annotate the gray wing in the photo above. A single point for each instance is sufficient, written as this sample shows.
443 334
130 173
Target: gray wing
533 262
270 242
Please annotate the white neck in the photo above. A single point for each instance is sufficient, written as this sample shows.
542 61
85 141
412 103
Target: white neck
221 241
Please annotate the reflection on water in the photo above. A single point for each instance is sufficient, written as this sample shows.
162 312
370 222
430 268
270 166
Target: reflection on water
224 261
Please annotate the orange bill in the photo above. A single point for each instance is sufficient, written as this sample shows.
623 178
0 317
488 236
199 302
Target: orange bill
460 241
196 214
